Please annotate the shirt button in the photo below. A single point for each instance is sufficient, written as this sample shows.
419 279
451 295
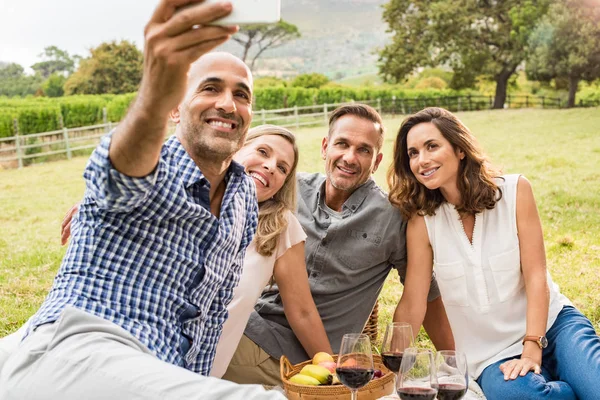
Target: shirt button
353 208
326 216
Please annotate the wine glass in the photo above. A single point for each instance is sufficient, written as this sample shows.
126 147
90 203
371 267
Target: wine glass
398 336
452 375
355 362
417 377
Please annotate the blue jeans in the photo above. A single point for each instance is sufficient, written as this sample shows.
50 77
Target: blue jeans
570 365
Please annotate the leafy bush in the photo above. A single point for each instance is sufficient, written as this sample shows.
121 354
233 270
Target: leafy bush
82 110
432 82
119 105
310 81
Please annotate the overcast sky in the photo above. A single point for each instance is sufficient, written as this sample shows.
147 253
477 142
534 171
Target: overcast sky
27 26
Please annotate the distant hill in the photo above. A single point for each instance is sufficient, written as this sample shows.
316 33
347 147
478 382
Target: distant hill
339 38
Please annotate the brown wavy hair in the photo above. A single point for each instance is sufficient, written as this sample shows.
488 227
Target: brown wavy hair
475 175
271 213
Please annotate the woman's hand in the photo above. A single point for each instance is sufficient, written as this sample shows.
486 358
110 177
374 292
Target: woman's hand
519 367
65 227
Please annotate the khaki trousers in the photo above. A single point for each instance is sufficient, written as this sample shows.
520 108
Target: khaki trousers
81 356
251 364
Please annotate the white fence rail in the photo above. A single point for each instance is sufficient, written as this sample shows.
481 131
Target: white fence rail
21 150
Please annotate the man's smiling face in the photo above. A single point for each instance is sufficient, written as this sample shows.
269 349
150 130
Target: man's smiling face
217 110
351 152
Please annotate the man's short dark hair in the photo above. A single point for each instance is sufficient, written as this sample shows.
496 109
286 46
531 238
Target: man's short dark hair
361 111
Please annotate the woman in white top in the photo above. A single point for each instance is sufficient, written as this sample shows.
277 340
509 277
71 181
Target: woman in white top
270 157
481 234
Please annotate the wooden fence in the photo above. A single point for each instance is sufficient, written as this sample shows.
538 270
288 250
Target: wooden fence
18 151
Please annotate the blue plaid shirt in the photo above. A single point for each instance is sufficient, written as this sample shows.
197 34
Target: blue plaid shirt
147 254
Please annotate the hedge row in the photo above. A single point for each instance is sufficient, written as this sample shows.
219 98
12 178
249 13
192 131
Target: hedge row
36 115
45 114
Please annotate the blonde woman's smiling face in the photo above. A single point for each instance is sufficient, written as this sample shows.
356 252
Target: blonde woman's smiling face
268 159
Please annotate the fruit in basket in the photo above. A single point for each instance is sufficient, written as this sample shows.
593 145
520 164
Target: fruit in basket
349 363
301 379
320 357
330 365
377 374
321 374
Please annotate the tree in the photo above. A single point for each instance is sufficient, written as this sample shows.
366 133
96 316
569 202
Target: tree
111 68
473 37
14 81
54 85
263 37
313 80
55 61
566 45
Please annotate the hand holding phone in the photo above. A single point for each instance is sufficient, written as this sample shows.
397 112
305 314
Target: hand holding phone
245 12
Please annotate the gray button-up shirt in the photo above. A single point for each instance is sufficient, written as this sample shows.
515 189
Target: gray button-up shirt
347 259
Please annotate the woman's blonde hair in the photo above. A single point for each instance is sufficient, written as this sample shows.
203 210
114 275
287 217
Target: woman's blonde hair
476 175
271 213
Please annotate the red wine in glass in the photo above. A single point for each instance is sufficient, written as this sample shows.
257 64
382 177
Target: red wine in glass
392 361
416 393
451 391
354 378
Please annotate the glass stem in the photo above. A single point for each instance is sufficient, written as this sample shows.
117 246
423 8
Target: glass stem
353 394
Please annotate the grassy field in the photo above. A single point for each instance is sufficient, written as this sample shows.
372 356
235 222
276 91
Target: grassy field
559 151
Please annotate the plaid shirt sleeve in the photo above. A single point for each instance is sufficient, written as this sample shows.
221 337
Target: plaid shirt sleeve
112 190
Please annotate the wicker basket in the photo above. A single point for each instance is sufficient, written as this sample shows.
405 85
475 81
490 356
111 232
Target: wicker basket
373 390
370 328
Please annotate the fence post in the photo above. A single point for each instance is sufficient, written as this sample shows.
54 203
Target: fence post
66 139
263 117
459 104
508 100
379 106
491 102
297 117
325 112
65 136
18 143
393 105
527 101
402 106
543 103
104 120
469 99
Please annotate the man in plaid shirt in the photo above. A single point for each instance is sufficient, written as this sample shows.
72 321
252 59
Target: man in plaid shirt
138 304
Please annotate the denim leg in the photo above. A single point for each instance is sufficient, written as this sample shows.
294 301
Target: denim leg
529 387
574 353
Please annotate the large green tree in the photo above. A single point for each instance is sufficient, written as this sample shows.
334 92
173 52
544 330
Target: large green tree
566 45
14 81
261 37
473 37
111 68
55 61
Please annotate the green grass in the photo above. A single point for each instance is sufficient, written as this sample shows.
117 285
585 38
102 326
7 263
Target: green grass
558 151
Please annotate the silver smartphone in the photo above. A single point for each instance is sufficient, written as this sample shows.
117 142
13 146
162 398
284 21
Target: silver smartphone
247 12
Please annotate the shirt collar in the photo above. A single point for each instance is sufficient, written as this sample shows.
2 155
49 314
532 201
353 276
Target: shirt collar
191 172
354 201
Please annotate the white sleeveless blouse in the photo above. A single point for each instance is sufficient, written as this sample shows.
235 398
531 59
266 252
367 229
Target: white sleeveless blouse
482 283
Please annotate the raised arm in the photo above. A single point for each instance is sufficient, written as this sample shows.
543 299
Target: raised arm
533 265
298 304
413 303
172 42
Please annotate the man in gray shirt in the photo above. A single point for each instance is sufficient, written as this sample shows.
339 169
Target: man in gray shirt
355 237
